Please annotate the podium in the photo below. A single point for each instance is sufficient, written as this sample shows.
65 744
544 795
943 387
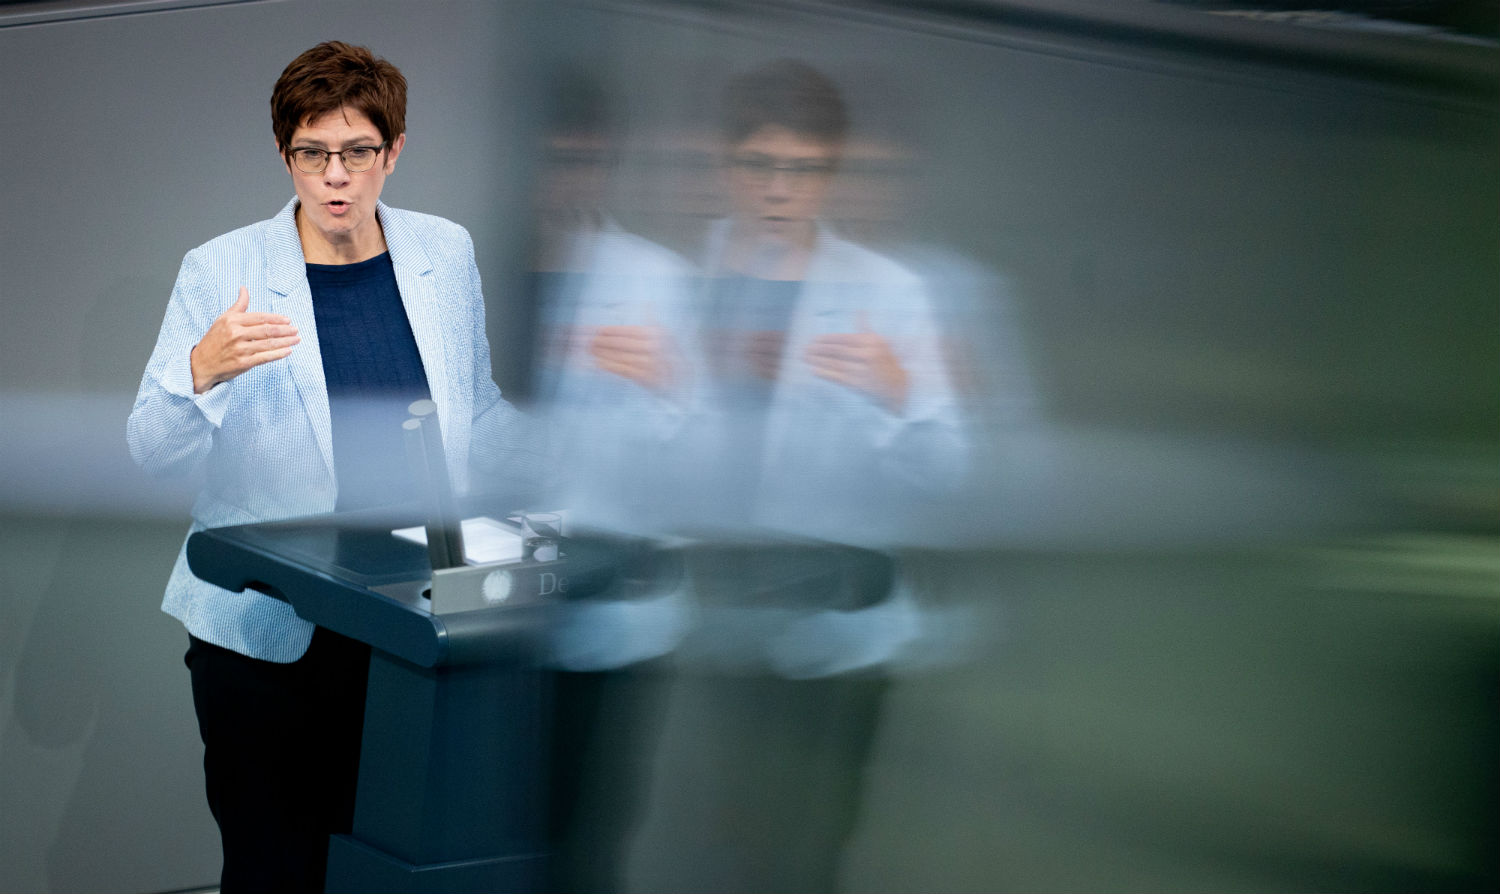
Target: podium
452 793
452 778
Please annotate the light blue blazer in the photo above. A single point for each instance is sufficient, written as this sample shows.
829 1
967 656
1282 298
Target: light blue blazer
263 441
834 463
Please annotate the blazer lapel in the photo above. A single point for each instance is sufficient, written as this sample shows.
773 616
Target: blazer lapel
791 408
286 278
419 296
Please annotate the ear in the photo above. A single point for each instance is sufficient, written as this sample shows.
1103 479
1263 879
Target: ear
393 151
286 161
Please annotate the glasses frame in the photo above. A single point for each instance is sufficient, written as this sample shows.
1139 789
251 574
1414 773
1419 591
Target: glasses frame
328 156
762 171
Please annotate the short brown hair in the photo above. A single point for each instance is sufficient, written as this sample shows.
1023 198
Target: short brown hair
334 75
789 94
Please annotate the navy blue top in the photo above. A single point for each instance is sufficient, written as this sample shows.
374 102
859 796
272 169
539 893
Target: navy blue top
373 371
739 307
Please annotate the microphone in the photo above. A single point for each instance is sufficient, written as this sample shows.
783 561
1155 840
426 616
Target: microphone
429 468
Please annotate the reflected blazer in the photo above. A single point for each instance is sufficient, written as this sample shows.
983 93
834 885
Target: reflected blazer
834 463
263 442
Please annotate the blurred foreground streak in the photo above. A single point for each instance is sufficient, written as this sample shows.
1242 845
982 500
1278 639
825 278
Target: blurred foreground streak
1169 397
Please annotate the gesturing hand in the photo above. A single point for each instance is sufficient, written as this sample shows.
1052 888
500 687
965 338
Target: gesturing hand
638 353
763 348
862 361
238 341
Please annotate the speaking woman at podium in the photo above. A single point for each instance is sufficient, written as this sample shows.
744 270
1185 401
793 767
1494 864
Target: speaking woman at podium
286 357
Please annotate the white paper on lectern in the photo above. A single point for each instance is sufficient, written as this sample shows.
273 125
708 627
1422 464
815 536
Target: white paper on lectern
485 540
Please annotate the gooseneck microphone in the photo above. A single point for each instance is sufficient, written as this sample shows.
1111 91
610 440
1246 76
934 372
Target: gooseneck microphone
429 469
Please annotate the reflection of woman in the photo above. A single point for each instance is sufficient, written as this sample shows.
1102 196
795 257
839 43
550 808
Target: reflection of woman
824 391
605 297
287 355
611 381
827 353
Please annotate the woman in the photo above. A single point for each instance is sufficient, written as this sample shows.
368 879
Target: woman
836 406
287 355
828 413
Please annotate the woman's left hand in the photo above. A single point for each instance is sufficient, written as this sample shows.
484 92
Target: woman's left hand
862 361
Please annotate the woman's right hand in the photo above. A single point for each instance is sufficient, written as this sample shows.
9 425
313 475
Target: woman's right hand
238 341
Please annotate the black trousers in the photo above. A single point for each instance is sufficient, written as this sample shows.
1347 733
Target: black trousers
281 756
605 728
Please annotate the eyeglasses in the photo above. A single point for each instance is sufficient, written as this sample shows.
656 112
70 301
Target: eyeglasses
761 168
356 159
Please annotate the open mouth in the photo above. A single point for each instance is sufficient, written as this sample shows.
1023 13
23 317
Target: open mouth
337 206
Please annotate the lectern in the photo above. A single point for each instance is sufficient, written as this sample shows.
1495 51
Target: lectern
452 777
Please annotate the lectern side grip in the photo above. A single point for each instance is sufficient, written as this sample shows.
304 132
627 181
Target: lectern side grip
318 596
213 561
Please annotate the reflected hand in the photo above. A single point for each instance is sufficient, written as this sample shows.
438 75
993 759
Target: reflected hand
862 361
238 341
637 353
763 350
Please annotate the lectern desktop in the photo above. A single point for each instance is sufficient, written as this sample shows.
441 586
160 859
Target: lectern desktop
451 793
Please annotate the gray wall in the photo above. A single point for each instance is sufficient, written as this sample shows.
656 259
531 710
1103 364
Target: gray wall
1243 253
